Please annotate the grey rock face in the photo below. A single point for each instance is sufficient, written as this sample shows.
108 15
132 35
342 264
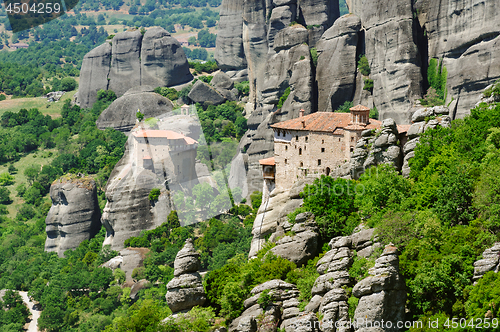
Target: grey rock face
163 62
74 215
301 246
94 74
186 291
281 17
381 147
201 93
283 295
290 37
229 44
393 55
336 70
121 114
125 70
128 210
490 262
465 35
319 12
133 59
383 294
222 80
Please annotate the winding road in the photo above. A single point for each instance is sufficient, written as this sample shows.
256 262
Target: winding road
35 312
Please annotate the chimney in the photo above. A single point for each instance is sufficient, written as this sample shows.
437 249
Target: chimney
301 113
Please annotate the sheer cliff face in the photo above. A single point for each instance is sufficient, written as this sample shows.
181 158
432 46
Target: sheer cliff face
131 60
465 35
74 214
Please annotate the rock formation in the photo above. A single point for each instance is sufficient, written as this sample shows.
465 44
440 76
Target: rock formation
423 119
382 295
393 55
377 147
204 93
74 215
185 290
282 295
129 60
302 242
490 262
121 114
337 63
465 35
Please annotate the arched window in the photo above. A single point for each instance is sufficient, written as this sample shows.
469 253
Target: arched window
301 164
286 147
306 138
328 171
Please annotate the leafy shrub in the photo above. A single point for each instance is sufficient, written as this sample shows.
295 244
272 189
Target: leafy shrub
68 84
169 93
345 107
6 179
265 299
363 65
5 196
493 90
283 98
154 194
368 86
2 97
484 296
256 199
374 113
314 56
243 88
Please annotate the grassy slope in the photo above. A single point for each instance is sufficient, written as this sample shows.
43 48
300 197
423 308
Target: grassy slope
54 109
35 158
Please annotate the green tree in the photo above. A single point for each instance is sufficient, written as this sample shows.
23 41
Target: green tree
173 220
68 84
363 65
6 179
5 196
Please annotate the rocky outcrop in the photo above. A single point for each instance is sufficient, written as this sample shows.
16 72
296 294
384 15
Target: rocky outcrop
336 70
131 59
490 262
465 35
94 74
204 93
74 215
185 290
256 316
163 62
377 147
423 119
122 113
382 295
229 52
301 243
392 54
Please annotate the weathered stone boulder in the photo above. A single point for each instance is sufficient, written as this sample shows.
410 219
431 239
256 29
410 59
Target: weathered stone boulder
465 35
393 55
490 262
222 80
94 74
137 287
204 93
125 70
229 52
131 60
301 245
377 147
122 113
74 215
163 62
185 290
282 308
337 63
382 294
290 37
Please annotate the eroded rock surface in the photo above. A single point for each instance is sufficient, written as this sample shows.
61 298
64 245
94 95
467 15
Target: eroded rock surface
382 295
185 290
131 60
490 262
74 215
122 113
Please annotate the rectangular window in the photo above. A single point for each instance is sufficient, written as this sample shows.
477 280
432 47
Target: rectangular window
319 162
322 149
352 139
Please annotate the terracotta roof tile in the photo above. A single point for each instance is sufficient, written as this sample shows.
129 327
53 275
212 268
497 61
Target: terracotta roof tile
267 161
325 122
403 128
359 108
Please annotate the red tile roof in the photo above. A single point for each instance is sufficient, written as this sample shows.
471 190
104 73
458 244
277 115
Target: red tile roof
324 122
267 161
359 108
403 128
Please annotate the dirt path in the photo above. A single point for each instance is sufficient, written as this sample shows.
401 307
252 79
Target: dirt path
35 312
